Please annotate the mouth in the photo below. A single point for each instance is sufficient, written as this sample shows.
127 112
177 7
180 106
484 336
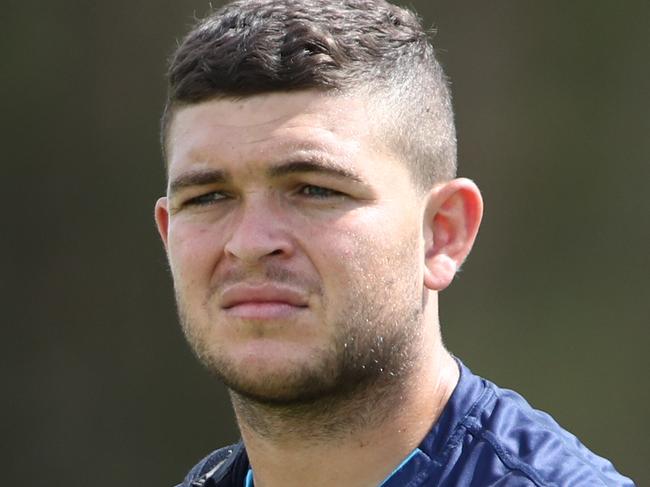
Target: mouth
261 310
262 301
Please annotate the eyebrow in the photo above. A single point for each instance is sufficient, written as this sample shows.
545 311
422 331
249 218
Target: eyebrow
327 168
197 178
204 177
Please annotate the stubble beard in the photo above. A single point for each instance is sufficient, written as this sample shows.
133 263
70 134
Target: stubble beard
357 380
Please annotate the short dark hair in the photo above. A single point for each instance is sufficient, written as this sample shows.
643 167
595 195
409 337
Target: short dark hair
250 47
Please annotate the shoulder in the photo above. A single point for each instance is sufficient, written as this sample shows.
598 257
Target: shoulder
488 435
517 440
213 466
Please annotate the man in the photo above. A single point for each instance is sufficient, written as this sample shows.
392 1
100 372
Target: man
312 216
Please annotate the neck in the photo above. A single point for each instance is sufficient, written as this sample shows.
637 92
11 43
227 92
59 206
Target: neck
287 445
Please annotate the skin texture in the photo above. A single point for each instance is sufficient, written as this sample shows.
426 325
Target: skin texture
306 267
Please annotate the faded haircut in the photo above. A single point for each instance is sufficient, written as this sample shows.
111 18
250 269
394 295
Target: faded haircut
370 48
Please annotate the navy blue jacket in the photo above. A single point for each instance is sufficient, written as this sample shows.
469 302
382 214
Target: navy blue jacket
485 436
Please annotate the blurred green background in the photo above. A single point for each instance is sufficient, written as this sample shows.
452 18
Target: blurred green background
552 103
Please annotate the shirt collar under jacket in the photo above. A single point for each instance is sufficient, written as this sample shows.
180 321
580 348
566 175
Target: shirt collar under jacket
402 470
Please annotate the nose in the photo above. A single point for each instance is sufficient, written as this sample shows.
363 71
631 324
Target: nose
258 231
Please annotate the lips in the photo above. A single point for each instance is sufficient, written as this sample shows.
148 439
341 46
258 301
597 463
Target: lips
262 301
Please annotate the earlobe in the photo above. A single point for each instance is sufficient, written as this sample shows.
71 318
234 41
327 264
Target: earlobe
453 215
439 272
161 215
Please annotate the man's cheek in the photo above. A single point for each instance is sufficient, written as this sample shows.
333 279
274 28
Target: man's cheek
188 255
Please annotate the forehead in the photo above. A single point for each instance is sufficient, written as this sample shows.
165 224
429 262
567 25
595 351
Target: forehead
265 128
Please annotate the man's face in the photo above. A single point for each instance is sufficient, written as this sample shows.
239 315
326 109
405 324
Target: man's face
295 243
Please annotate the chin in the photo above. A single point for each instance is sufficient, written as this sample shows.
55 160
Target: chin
277 380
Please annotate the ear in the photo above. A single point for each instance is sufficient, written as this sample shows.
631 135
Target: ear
161 214
451 220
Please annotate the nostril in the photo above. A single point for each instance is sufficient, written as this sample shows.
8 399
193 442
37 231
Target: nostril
276 252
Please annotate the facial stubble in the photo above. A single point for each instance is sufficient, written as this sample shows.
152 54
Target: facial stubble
357 378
